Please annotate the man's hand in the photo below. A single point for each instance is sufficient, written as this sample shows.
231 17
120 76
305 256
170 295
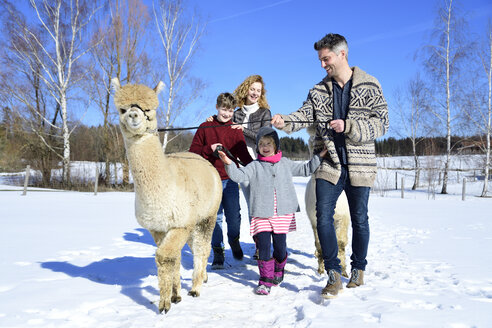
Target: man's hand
323 152
210 119
278 121
224 157
338 125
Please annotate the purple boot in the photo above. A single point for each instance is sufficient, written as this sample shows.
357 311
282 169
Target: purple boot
278 275
267 269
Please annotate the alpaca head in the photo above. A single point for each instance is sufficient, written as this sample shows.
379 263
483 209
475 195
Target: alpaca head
136 104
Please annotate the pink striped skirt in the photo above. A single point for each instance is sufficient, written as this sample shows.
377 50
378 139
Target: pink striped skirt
279 224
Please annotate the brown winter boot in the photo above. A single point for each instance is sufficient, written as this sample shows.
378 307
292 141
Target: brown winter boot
356 278
333 286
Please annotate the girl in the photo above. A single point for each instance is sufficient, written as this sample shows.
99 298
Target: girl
253 113
273 202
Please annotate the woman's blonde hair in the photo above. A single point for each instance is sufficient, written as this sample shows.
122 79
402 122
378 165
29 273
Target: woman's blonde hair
241 91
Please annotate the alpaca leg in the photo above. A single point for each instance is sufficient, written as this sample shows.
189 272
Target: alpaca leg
167 258
318 253
341 227
176 297
341 255
200 244
310 201
342 242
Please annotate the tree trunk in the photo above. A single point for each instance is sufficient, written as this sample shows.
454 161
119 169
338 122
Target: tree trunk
168 117
66 140
489 127
126 172
448 104
416 181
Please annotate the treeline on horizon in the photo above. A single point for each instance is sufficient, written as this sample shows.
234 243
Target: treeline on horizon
89 143
18 147
427 146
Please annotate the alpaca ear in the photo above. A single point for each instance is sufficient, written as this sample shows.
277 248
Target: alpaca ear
115 84
159 87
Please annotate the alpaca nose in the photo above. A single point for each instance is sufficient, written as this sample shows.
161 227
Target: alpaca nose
133 114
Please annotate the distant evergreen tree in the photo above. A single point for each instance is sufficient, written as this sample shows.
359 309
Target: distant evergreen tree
294 148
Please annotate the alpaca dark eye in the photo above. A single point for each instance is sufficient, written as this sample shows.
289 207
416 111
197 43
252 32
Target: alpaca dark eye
122 110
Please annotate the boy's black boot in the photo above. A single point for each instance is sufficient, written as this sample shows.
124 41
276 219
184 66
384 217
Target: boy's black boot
218 262
237 252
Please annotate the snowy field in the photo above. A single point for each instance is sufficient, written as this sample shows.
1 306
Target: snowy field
72 259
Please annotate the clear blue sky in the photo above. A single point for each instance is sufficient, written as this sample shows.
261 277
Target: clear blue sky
275 39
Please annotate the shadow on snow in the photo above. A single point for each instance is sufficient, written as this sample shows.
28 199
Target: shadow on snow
129 272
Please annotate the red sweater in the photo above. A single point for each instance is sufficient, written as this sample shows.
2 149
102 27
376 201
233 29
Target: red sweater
231 139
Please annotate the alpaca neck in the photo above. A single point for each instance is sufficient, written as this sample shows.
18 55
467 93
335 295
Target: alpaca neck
147 160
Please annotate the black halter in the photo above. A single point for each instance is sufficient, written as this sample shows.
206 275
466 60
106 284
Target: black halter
144 111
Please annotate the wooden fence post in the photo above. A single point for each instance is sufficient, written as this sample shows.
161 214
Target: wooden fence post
402 188
97 180
464 189
26 180
396 180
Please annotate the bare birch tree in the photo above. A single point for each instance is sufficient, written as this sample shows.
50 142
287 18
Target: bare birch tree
25 93
121 54
487 64
476 103
413 106
443 60
63 23
179 35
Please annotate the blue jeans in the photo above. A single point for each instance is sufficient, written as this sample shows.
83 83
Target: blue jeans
231 208
358 197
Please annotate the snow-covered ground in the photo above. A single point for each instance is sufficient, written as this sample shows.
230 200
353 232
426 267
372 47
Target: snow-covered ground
72 259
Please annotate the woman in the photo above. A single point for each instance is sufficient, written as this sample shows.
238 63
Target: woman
253 112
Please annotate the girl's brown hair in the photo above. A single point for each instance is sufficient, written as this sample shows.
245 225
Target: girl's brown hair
241 91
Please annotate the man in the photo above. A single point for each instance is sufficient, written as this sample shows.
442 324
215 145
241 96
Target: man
348 112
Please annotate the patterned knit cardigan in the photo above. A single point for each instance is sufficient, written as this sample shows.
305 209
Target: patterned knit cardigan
367 119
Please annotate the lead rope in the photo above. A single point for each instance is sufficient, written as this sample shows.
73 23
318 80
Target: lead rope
326 123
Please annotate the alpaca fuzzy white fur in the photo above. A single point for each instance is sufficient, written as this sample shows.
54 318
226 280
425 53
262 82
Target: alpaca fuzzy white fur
341 220
176 196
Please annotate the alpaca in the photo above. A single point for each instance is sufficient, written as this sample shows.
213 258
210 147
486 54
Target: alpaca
341 219
176 196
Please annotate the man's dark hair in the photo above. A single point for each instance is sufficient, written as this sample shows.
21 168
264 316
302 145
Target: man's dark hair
226 100
332 41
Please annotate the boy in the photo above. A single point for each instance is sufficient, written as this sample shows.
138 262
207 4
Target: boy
209 136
